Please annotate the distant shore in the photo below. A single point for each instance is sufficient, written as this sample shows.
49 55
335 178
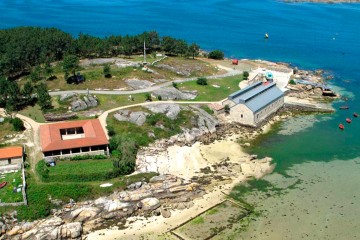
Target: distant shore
324 1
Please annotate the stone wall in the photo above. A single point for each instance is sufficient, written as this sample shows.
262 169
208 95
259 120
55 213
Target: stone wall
268 110
242 114
4 162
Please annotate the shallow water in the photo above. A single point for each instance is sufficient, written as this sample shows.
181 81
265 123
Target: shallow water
323 205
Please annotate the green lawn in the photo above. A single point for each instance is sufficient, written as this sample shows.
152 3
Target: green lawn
6 193
80 171
208 92
33 112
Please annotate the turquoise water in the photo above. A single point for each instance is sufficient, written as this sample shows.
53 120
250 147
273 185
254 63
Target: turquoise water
307 35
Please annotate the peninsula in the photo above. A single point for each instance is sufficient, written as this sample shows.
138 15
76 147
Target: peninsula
136 140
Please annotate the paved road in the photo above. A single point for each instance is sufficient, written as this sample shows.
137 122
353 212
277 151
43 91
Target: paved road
230 72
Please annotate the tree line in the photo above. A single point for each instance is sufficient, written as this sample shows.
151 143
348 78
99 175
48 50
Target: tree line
23 48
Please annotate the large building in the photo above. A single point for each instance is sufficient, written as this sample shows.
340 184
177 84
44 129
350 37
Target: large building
253 104
67 139
11 155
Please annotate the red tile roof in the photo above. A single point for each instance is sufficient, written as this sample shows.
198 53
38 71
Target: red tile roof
11 152
51 140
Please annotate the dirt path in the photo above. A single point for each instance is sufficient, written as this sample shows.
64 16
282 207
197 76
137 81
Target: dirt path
34 149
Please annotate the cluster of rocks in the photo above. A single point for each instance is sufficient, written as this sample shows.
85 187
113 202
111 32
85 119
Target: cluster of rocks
119 62
86 102
51 117
171 93
169 109
305 91
178 70
156 197
138 118
138 84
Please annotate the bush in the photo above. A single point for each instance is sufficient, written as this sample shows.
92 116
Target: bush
216 54
227 108
148 97
245 75
42 170
159 97
201 81
17 124
107 71
111 131
174 84
292 82
87 157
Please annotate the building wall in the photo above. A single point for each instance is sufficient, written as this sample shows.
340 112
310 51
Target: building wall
4 162
104 150
242 114
269 109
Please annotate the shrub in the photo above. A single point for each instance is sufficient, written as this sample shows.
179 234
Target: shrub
17 124
159 97
42 170
227 108
148 97
111 131
201 81
216 54
245 75
107 71
87 157
175 85
292 82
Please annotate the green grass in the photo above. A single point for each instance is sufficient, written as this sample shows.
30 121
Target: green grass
33 112
208 92
197 220
80 171
6 128
6 193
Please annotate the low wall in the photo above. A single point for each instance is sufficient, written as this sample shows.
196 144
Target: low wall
92 153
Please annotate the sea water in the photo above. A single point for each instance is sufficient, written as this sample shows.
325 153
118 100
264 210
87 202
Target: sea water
325 201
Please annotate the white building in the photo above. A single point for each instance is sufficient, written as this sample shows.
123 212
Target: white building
253 104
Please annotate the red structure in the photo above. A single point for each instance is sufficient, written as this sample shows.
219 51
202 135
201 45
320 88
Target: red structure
235 62
73 138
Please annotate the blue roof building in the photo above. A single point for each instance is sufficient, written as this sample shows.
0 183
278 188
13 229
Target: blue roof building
255 103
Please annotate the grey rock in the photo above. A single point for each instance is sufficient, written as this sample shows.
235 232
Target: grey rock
157 179
138 84
169 109
171 93
139 118
78 105
150 204
71 230
66 96
165 213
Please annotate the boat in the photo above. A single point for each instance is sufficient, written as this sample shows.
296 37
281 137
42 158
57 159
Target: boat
3 184
348 120
329 93
266 35
355 114
344 107
341 126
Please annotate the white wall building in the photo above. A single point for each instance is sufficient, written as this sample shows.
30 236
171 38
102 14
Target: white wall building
253 104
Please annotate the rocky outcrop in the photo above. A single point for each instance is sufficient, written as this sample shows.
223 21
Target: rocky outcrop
138 84
88 101
138 118
169 109
171 93
74 219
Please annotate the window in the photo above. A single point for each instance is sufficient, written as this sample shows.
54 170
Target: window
242 116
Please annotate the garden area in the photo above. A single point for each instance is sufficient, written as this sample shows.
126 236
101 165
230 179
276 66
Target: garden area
7 193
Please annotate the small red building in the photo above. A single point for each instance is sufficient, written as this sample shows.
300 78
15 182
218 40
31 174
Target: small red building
235 62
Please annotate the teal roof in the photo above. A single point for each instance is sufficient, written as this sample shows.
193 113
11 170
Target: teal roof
257 96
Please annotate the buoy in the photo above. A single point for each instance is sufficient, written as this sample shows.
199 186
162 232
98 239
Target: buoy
355 114
266 35
348 120
341 126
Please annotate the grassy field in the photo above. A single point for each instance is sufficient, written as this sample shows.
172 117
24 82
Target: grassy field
224 87
94 77
33 112
6 194
80 171
6 128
